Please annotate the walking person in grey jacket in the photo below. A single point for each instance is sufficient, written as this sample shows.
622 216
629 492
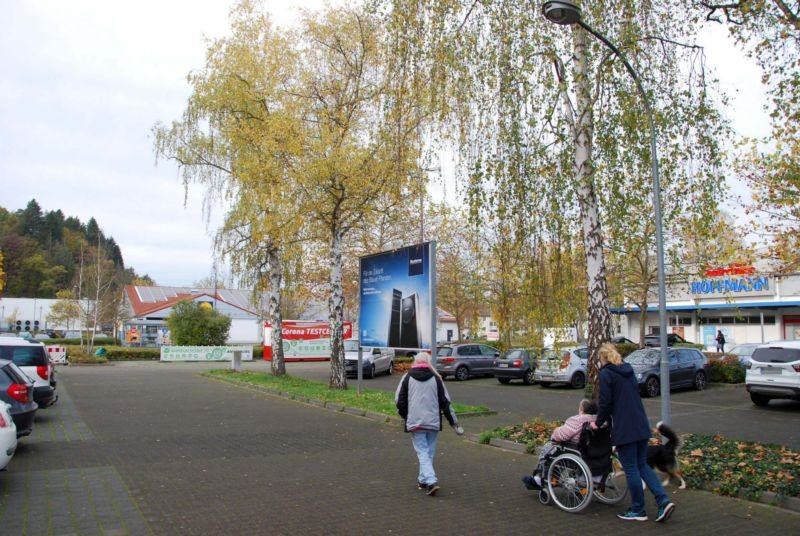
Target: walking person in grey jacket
421 400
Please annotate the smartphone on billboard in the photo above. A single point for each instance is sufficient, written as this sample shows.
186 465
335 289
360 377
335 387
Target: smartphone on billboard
393 340
409 328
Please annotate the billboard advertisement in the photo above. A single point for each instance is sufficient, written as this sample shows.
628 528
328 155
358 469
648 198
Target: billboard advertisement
397 298
303 340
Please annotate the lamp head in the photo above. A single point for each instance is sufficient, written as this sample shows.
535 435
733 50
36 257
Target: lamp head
561 12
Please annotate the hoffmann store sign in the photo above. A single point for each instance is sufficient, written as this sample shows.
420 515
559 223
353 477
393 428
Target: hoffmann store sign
303 341
736 279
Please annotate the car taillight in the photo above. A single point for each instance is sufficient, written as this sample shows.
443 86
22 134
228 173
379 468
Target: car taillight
447 359
748 365
43 372
18 392
517 363
796 367
565 361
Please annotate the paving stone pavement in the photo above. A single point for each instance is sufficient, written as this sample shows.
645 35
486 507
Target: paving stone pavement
167 451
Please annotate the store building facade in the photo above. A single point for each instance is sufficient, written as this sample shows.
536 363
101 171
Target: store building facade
747 306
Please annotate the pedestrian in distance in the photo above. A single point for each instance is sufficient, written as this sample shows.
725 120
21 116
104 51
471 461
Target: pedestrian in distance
421 400
621 404
720 341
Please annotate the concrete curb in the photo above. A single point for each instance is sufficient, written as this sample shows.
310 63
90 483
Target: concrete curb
767 497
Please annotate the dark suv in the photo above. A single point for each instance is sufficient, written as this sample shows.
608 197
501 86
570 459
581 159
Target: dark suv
672 340
687 368
465 360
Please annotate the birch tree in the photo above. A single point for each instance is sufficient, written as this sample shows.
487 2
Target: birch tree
545 108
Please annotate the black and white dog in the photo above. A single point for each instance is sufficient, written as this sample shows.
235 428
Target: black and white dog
664 457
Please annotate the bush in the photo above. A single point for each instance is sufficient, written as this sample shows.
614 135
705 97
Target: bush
119 353
191 324
726 369
625 349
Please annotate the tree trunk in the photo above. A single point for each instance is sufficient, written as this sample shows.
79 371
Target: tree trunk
278 365
599 317
336 312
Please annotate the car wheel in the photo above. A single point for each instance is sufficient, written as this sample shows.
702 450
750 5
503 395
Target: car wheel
759 400
371 373
652 387
700 381
504 381
391 368
544 384
462 373
527 379
578 380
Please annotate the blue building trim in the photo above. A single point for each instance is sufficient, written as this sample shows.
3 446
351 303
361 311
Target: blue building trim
746 305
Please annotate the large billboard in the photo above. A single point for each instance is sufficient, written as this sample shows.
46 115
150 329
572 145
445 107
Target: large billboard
398 298
303 340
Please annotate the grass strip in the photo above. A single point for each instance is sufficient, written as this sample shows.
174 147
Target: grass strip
370 400
733 467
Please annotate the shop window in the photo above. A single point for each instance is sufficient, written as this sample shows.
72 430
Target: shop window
727 320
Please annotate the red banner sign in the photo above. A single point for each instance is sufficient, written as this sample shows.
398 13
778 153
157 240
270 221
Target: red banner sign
303 340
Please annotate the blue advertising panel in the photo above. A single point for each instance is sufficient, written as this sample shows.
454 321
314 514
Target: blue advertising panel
397 298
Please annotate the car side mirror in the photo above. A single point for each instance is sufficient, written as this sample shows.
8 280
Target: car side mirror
497 354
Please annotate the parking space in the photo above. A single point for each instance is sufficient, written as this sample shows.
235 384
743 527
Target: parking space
720 409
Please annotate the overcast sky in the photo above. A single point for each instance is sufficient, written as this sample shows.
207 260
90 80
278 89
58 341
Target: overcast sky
84 81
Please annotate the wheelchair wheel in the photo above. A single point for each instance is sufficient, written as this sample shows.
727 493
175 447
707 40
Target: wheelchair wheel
616 485
569 482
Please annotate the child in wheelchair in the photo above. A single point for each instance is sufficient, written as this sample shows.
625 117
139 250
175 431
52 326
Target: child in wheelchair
567 435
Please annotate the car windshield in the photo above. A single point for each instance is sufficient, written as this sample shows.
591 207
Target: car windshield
513 354
551 354
351 345
644 357
776 355
446 350
26 356
743 350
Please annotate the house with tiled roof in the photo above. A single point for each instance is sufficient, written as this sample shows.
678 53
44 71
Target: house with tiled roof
147 309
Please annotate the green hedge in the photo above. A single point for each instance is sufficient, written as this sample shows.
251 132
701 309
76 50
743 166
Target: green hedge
725 369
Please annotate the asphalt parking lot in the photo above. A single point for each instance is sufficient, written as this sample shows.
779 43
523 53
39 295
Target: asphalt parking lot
720 409
149 448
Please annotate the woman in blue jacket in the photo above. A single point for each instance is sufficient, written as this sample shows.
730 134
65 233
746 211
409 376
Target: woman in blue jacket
621 406
421 399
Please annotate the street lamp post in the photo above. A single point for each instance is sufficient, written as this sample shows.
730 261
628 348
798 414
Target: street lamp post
564 12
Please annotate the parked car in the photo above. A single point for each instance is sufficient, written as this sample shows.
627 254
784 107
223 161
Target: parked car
16 389
464 360
744 351
373 360
672 340
688 367
774 372
516 364
8 435
619 339
33 359
566 365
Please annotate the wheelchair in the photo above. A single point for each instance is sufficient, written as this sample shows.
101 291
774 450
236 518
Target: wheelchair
572 476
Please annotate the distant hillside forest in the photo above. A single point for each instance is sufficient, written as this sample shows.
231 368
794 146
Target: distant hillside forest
41 252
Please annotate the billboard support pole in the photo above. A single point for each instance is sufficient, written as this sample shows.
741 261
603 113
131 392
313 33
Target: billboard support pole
434 309
360 373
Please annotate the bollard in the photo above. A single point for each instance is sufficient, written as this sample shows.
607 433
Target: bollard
236 363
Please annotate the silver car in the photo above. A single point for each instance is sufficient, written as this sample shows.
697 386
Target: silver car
464 360
565 365
374 360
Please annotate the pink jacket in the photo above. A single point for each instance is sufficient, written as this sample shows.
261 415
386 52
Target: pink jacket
571 430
